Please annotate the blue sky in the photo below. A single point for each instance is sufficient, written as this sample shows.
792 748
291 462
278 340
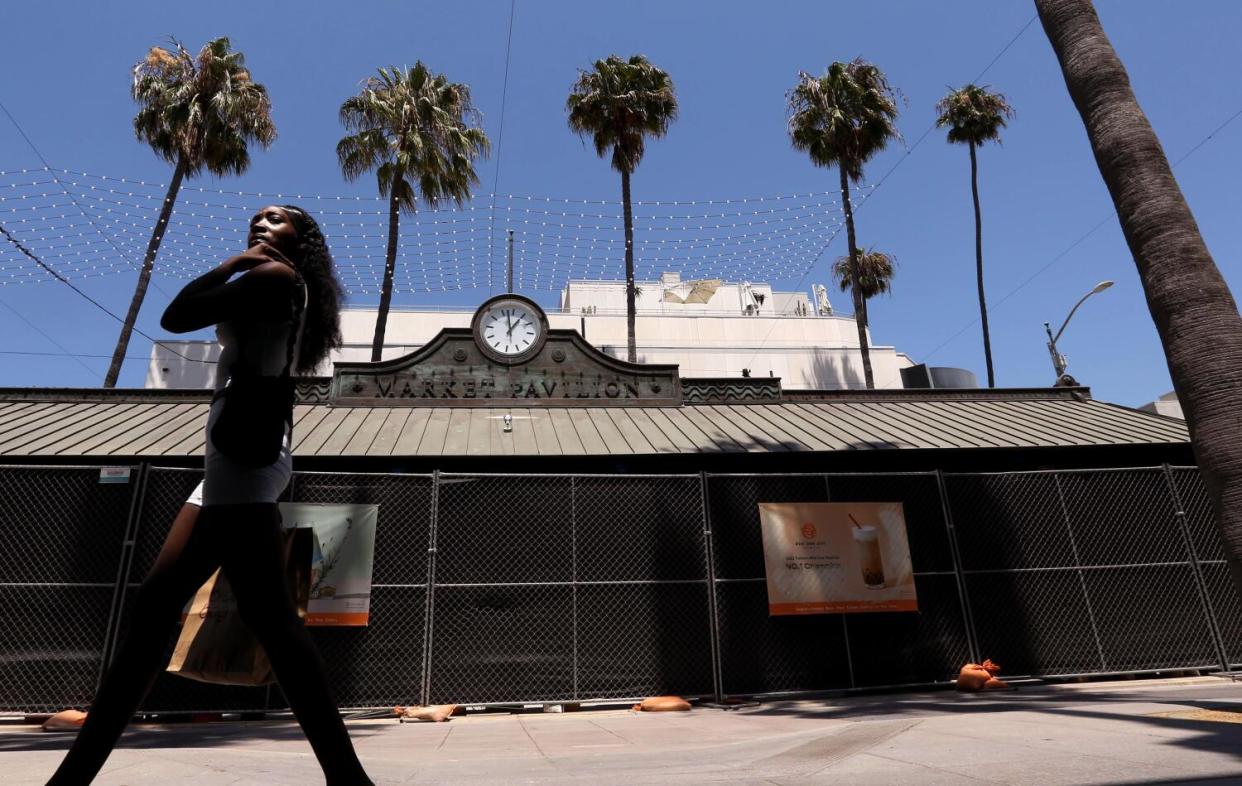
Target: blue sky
66 79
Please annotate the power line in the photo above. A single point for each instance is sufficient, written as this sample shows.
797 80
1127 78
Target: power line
64 350
900 161
92 300
67 354
69 194
1106 219
980 76
500 139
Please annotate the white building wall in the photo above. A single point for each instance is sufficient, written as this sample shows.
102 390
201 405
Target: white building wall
711 339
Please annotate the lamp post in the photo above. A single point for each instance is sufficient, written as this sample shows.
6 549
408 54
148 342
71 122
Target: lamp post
1058 360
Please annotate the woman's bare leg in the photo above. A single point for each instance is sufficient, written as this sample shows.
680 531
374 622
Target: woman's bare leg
185 561
254 567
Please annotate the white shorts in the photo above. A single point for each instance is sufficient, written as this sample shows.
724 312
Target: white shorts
228 483
196 496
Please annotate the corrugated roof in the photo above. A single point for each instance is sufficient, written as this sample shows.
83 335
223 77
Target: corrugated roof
46 423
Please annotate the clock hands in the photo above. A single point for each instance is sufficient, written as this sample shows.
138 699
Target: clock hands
511 319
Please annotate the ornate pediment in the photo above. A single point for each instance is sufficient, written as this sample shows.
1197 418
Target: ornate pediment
452 370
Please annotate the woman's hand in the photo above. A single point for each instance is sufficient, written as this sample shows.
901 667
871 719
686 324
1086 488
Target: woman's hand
254 256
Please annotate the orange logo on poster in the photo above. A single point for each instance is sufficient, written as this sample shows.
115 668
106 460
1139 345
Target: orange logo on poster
809 531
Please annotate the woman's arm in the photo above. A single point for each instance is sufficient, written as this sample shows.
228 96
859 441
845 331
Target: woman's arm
212 298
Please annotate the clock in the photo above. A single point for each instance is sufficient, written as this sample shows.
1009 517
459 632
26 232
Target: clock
510 328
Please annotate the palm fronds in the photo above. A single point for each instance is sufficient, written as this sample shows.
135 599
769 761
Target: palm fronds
619 103
201 110
876 271
843 117
420 133
973 114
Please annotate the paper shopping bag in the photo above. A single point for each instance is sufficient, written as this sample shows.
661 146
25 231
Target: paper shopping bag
215 645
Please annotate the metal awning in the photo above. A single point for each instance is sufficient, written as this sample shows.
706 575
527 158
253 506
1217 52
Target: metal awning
138 423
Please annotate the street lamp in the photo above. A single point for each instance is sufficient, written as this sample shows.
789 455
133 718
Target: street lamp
1058 360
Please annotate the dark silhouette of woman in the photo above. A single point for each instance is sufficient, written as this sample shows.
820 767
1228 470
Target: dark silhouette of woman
287 285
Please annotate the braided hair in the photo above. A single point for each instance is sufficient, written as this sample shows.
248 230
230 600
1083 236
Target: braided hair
322 332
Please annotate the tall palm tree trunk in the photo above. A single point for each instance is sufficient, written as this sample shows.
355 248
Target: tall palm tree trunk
631 341
144 276
983 303
860 307
1195 313
390 264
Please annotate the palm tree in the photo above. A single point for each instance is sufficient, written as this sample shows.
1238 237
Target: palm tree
1195 313
842 119
875 276
421 135
975 116
197 112
620 103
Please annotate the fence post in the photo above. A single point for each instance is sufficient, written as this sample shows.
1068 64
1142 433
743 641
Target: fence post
573 572
429 603
845 625
1082 580
713 608
963 595
113 629
1179 513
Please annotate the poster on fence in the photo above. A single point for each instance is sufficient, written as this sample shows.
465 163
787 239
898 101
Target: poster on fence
836 557
342 554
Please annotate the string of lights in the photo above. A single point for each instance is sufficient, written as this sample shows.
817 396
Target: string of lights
104 231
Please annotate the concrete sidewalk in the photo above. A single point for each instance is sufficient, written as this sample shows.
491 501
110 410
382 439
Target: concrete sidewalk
1141 731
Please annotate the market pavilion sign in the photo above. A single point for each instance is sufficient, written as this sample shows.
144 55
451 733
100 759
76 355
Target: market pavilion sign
464 367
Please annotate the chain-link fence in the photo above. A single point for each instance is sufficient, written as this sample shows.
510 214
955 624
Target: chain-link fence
557 588
65 535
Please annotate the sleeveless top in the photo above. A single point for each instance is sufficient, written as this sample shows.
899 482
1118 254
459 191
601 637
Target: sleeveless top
260 347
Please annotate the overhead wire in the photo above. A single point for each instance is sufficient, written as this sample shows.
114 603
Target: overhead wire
883 178
1079 241
500 139
16 243
62 347
58 182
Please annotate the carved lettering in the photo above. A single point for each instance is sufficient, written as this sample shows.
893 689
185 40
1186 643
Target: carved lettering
440 378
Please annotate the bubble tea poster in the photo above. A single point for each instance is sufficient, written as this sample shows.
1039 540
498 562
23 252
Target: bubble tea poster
836 557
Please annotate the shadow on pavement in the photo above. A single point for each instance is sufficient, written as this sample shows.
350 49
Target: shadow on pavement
180 735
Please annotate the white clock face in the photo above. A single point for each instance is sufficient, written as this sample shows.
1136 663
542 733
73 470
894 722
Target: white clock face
510 328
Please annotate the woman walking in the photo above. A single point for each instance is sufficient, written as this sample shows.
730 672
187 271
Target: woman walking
281 315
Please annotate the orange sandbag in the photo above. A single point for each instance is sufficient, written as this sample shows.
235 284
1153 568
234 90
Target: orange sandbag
972 677
435 713
976 676
995 684
65 720
663 704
